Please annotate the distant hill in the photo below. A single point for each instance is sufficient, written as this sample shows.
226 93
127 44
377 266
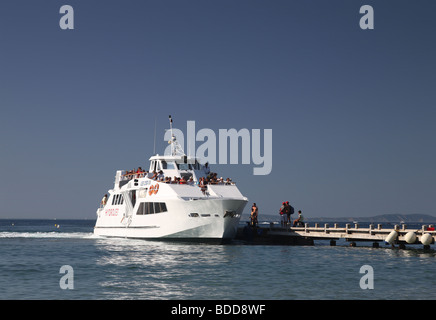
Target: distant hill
393 218
383 218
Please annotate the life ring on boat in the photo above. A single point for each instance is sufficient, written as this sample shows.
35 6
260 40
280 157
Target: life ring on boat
153 189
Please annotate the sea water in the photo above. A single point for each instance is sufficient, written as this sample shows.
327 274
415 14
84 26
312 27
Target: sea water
32 253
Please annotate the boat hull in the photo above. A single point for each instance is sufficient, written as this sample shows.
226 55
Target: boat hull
208 219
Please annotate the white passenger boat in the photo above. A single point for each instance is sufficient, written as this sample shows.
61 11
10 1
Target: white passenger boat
171 201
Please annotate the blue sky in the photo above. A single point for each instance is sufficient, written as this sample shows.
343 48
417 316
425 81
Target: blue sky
352 111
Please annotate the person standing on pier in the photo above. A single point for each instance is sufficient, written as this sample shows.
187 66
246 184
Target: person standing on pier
283 214
289 211
254 215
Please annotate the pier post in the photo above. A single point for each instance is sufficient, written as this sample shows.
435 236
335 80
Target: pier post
347 226
379 226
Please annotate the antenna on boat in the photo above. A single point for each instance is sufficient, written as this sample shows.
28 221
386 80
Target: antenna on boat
172 136
154 145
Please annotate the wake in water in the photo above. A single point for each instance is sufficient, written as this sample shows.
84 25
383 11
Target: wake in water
46 229
56 235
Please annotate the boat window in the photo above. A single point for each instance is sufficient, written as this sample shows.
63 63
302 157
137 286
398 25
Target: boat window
156 207
117 199
133 197
168 165
153 166
183 166
151 207
163 207
140 209
114 199
160 207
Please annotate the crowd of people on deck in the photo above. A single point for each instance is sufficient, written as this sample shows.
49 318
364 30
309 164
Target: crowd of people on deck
135 173
210 178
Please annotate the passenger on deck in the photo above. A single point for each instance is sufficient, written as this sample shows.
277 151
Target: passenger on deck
139 172
202 185
228 181
300 220
128 175
160 175
206 168
213 179
182 180
154 175
104 200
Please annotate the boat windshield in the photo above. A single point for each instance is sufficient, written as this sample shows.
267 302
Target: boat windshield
184 166
168 165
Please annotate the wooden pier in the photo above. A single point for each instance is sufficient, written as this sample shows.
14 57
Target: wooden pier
398 235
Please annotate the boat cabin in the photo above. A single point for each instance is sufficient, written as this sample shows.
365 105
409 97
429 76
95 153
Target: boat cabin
176 166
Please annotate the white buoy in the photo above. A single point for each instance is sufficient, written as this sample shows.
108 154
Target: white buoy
426 239
410 237
391 237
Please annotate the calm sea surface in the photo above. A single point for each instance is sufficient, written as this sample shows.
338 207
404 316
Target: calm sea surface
32 253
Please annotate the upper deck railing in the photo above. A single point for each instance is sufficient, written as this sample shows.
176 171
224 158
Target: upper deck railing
176 180
130 176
